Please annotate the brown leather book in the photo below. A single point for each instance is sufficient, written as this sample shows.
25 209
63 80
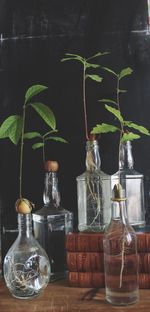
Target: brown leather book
86 279
93 242
97 280
94 262
85 261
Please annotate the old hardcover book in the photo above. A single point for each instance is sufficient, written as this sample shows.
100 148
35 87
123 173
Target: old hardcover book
97 280
86 279
93 242
94 262
85 261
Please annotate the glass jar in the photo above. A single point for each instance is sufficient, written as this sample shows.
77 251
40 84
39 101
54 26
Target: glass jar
120 255
93 193
133 184
26 265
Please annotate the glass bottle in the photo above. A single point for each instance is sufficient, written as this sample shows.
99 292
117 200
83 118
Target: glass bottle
0 260
133 184
93 192
26 265
0 243
120 255
52 223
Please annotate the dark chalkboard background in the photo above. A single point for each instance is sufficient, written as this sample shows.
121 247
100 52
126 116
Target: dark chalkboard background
35 35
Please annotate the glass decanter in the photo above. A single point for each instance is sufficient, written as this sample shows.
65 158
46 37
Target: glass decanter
120 255
26 265
93 192
52 223
133 184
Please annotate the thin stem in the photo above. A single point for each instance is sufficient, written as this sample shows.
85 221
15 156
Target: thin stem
84 104
21 151
49 132
43 150
121 125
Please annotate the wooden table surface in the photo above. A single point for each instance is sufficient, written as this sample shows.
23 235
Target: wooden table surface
58 297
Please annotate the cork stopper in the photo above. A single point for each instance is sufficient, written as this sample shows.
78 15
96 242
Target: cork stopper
118 193
24 206
92 137
51 165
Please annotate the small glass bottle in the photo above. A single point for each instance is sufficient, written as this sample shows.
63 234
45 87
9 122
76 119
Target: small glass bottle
93 192
52 223
26 265
133 184
120 255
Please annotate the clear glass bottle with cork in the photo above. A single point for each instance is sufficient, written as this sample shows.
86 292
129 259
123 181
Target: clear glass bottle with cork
120 255
52 222
93 192
26 264
133 184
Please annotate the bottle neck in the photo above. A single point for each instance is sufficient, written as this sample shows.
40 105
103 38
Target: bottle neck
25 224
93 161
51 195
125 156
119 211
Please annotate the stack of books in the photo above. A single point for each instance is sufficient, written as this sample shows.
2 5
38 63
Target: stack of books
85 259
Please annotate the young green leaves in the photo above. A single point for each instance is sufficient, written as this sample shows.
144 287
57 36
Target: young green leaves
86 65
11 128
124 126
14 126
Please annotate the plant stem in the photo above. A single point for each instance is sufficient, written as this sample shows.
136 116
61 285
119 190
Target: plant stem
121 125
21 151
43 150
84 104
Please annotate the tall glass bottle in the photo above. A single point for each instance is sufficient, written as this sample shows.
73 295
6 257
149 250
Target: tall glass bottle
52 223
93 192
133 184
120 255
26 265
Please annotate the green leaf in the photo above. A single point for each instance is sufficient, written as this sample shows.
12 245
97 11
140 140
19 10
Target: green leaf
110 71
77 56
34 90
98 54
107 101
32 135
89 65
46 114
70 56
125 72
37 145
58 139
12 128
121 91
115 112
94 77
141 129
104 128
129 137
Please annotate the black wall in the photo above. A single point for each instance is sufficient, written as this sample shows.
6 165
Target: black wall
35 35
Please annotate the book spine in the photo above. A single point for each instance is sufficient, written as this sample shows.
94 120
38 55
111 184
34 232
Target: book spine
86 279
144 262
84 242
97 280
93 242
94 262
85 261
